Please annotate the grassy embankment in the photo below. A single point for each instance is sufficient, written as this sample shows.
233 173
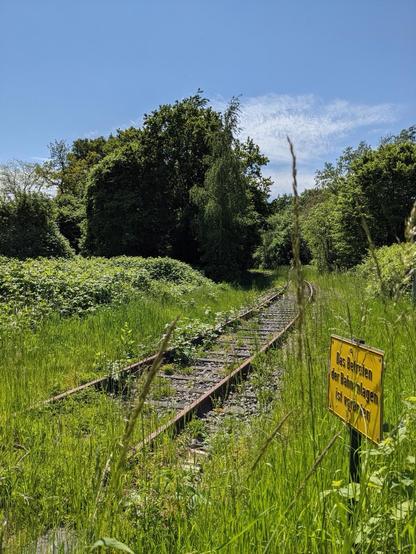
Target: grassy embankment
297 497
66 322
52 458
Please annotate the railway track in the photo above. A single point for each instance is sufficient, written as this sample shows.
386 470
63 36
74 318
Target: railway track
116 381
218 375
214 373
193 390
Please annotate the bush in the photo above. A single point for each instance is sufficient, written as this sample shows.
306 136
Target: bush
70 218
28 228
31 289
165 269
397 265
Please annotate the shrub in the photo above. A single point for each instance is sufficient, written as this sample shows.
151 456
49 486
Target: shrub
31 289
397 265
28 228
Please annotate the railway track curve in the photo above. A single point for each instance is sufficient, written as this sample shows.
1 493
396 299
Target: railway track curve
215 373
114 381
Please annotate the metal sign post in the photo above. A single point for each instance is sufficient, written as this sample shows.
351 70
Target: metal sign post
355 463
355 394
355 458
355 445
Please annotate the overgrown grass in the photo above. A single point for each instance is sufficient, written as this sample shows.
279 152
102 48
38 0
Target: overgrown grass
64 352
297 499
52 458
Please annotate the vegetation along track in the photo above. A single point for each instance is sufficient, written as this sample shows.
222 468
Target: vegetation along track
115 382
215 372
192 390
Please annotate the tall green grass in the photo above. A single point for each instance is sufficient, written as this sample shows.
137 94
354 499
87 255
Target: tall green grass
63 353
52 458
294 498
297 498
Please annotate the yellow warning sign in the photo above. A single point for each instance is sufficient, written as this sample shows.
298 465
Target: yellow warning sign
355 386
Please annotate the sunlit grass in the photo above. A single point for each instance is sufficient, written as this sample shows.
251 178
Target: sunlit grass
297 499
52 458
63 353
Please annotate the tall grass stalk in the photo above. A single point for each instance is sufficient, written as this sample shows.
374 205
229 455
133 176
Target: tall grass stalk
303 347
299 283
117 469
52 457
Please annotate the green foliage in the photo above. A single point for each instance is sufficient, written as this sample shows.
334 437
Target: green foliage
55 352
276 241
222 206
296 499
70 217
346 230
46 449
138 196
177 142
114 544
258 186
368 187
397 264
68 167
68 170
386 491
33 289
316 227
127 210
386 178
28 228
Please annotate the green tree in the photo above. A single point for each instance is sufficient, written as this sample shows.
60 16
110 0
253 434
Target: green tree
177 142
128 211
138 197
222 205
67 172
346 232
386 178
258 191
375 186
276 240
28 228
317 230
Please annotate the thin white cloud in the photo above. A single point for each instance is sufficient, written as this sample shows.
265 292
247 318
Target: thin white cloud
91 134
318 129
39 159
282 180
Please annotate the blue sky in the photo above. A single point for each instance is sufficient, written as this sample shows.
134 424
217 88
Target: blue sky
328 72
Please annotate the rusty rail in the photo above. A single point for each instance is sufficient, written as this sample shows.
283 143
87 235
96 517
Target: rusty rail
108 382
205 402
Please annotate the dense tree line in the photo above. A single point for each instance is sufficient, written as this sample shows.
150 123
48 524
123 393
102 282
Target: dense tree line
364 197
183 185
